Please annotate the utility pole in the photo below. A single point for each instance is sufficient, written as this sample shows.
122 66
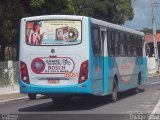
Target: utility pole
155 37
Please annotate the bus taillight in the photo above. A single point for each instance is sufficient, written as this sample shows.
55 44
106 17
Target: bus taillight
83 75
24 73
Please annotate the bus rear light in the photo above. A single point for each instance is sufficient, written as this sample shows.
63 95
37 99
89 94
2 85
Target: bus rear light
83 75
24 73
24 78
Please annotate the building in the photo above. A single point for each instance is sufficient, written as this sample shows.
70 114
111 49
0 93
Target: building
149 39
151 63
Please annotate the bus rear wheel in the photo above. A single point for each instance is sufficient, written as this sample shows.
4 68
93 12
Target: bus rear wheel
114 94
32 96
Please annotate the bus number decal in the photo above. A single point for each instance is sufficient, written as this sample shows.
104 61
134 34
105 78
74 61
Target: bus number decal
71 74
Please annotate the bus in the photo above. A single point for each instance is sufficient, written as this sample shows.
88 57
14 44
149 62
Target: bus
65 55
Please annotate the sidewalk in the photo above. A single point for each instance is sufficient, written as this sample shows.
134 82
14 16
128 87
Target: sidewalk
153 75
12 96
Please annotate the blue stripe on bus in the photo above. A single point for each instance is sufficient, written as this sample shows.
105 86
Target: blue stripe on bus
42 89
106 81
144 70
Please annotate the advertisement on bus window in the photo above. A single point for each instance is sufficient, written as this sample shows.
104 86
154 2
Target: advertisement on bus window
53 32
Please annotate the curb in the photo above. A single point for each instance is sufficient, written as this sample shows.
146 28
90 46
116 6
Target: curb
20 98
15 99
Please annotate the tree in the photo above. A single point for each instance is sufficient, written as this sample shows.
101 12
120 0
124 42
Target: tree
114 11
10 13
121 11
149 31
69 7
46 7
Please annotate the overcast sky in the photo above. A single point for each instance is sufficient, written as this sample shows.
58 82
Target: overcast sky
143 15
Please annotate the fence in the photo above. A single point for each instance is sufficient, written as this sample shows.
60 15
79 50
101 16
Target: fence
9 77
151 66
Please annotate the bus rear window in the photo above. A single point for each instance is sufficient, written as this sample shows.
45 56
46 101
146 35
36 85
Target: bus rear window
53 32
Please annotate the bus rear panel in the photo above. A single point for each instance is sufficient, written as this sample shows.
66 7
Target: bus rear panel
54 55
77 55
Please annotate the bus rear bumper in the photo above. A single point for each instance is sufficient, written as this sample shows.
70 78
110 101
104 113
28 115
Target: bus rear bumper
84 88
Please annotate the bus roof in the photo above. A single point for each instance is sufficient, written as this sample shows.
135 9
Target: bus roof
117 27
96 21
44 17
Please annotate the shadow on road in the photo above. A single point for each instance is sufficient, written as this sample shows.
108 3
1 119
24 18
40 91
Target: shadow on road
129 93
77 103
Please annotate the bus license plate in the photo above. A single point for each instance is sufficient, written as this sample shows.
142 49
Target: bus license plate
53 81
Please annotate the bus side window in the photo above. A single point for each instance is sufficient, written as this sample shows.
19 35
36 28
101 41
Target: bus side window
133 46
109 43
125 44
122 53
112 42
129 45
117 43
96 43
139 46
126 37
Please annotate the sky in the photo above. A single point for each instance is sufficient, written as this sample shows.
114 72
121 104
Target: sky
143 15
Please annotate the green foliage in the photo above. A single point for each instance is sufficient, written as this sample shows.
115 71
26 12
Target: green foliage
37 3
121 11
115 11
11 11
45 7
149 31
69 7
84 7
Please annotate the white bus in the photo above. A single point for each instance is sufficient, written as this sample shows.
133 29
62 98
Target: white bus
63 56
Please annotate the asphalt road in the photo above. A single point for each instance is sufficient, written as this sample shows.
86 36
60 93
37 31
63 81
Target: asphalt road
128 104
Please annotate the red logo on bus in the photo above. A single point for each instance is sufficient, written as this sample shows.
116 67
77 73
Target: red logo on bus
37 65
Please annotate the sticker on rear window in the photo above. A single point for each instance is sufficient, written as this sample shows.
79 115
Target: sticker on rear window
53 32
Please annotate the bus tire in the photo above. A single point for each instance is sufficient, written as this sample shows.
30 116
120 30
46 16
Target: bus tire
32 96
61 100
114 94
